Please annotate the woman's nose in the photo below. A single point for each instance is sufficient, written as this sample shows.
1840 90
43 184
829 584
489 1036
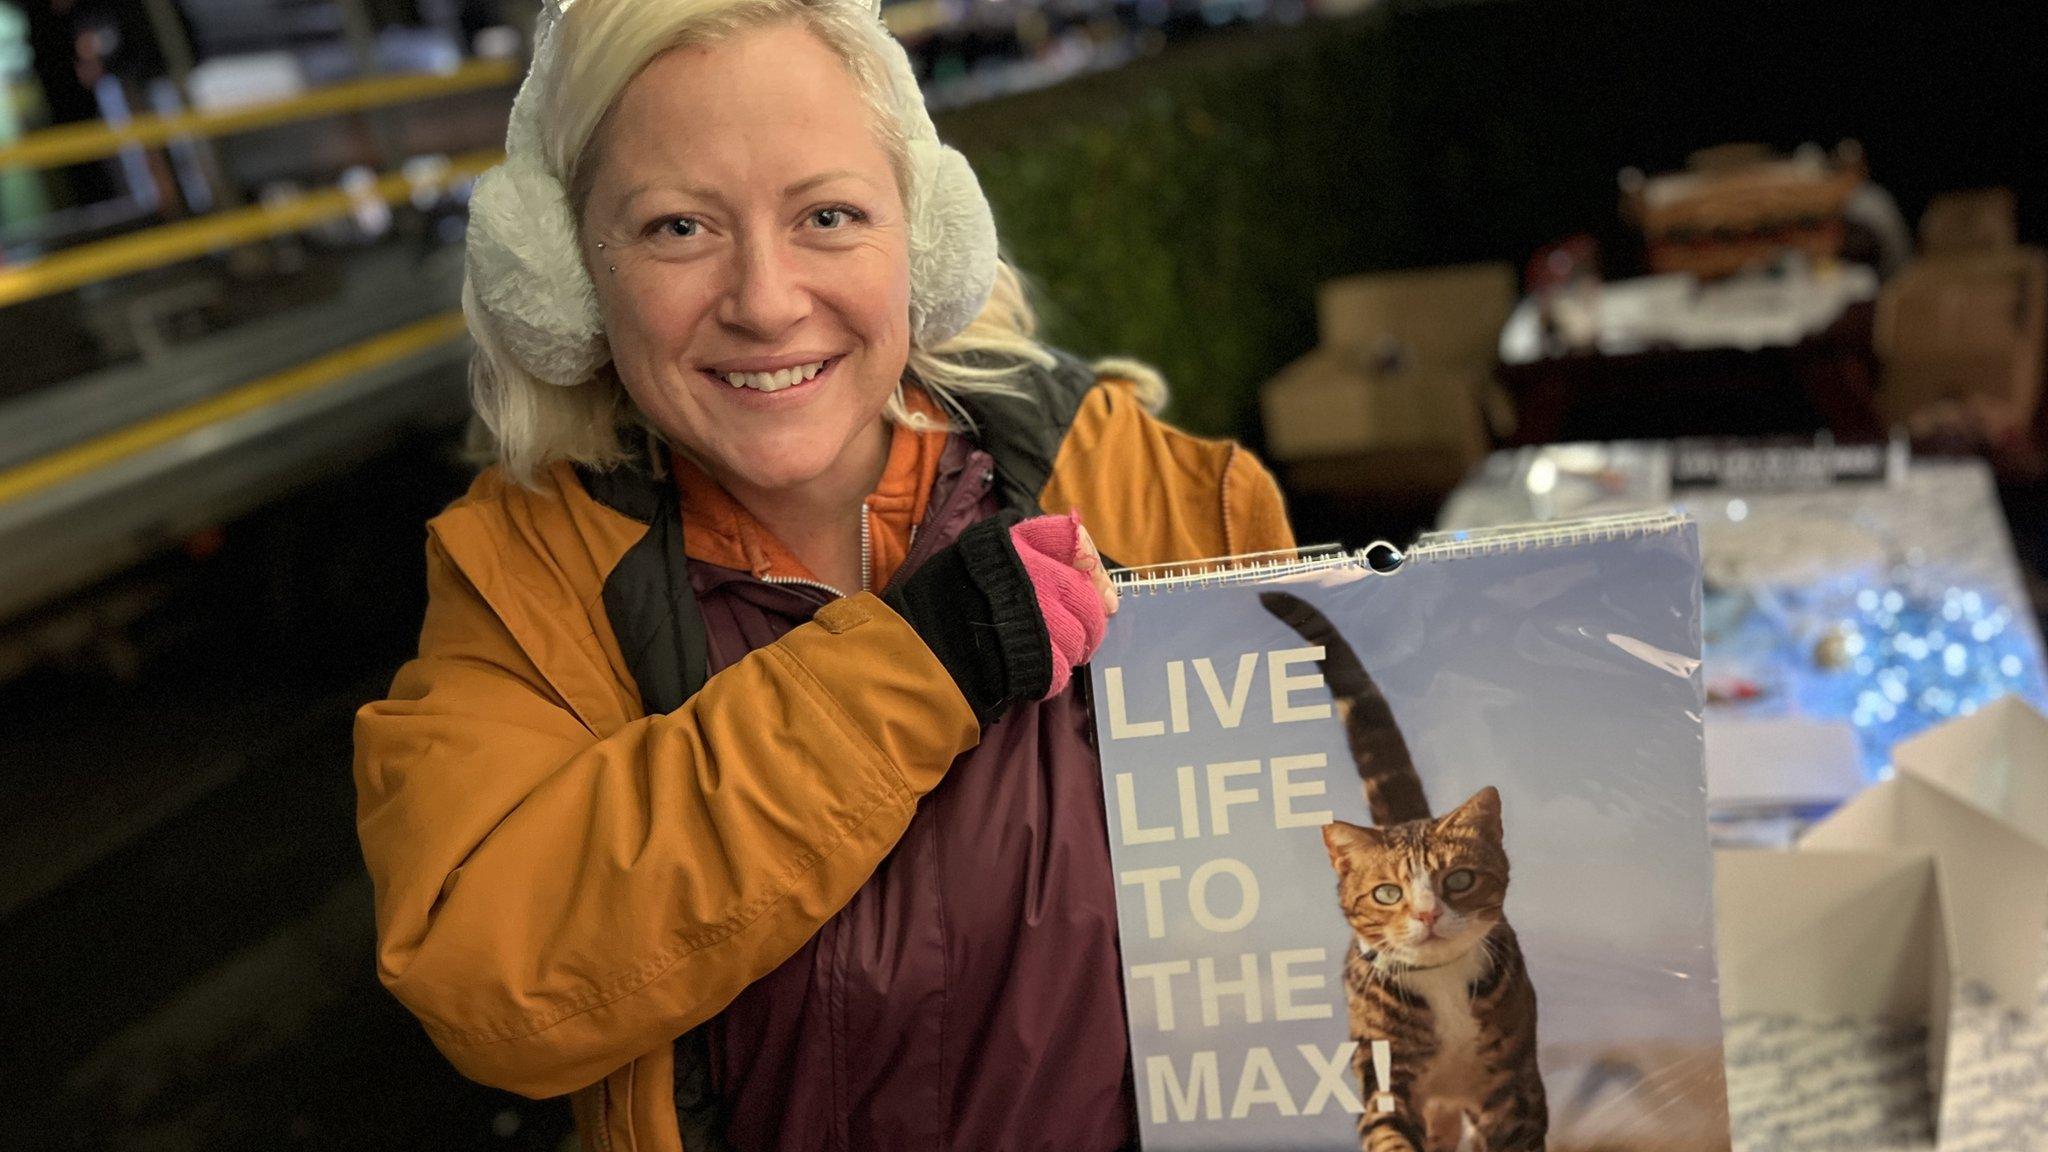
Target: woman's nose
766 295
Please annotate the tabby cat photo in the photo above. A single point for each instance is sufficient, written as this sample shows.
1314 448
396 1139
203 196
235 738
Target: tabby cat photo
1434 969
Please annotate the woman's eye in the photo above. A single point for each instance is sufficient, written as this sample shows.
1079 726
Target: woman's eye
1387 894
1459 880
825 217
680 228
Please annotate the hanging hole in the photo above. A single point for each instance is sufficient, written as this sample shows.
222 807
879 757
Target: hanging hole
1383 557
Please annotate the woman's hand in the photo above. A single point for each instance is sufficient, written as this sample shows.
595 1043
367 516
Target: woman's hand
1075 594
1088 560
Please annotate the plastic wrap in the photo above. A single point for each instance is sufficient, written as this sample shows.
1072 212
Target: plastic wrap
1557 667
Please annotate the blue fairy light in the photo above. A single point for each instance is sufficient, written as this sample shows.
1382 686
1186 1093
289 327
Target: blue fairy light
1901 659
1891 659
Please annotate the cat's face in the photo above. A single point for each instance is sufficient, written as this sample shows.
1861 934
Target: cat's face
1426 892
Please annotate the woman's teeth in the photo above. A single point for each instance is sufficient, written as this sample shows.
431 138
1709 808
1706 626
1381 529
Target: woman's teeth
774 381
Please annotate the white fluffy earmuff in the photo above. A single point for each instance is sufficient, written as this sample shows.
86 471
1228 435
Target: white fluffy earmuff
530 285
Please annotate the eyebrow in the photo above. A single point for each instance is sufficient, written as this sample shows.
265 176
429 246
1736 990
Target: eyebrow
796 189
805 185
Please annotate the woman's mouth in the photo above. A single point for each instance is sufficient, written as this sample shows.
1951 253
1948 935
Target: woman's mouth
794 379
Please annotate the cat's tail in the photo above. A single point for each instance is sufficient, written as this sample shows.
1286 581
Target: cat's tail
1393 792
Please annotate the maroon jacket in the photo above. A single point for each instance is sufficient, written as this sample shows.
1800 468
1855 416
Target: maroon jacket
968 997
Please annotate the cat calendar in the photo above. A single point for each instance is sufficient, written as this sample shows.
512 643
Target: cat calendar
1411 850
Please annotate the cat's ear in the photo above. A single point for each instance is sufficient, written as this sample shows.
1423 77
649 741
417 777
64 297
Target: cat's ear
1347 841
1480 814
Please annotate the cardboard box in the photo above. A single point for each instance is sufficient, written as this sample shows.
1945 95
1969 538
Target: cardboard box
1993 876
1823 935
1437 318
1961 223
1337 403
1965 330
1994 761
1399 393
1922 885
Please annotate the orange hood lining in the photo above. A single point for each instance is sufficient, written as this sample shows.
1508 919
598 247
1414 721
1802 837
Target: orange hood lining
721 531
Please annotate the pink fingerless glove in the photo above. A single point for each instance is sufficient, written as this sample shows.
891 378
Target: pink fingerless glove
1066 595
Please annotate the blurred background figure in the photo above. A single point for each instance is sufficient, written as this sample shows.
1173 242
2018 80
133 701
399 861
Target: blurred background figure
1445 264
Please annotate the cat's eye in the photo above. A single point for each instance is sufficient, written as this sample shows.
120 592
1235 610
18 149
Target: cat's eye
1387 894
1459 881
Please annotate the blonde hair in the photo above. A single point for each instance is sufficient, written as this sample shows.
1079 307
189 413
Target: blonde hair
527 423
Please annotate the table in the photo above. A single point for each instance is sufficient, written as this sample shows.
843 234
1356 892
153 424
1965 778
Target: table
1800 557
1796 1086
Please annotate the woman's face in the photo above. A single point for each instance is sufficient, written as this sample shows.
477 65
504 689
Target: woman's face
755 224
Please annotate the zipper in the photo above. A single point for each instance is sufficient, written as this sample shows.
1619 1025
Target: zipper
604 1114
867 558
867 564
799 582
968 487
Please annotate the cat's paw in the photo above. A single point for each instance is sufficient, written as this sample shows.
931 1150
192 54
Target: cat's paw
1470 1138
1389 1134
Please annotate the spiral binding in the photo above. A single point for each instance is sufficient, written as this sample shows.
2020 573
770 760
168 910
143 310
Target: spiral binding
1383 559
1378 557
1459 544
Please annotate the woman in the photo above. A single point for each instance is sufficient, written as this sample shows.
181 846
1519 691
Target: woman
739 787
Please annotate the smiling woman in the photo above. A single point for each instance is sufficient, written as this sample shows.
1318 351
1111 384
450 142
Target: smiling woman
738 787
717 274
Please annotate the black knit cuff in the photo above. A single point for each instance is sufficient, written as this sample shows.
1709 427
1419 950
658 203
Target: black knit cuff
973 605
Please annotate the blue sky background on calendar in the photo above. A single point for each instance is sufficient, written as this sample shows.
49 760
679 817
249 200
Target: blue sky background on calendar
1564 676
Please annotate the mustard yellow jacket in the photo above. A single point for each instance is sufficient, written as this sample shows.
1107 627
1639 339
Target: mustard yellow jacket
564 883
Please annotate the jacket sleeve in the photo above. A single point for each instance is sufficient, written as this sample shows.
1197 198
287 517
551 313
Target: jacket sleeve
551 903
1151 493
1254 512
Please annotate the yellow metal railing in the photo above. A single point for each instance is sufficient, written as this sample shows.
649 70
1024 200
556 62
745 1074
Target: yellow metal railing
916 17
183 240
76 143
320 372
170 243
